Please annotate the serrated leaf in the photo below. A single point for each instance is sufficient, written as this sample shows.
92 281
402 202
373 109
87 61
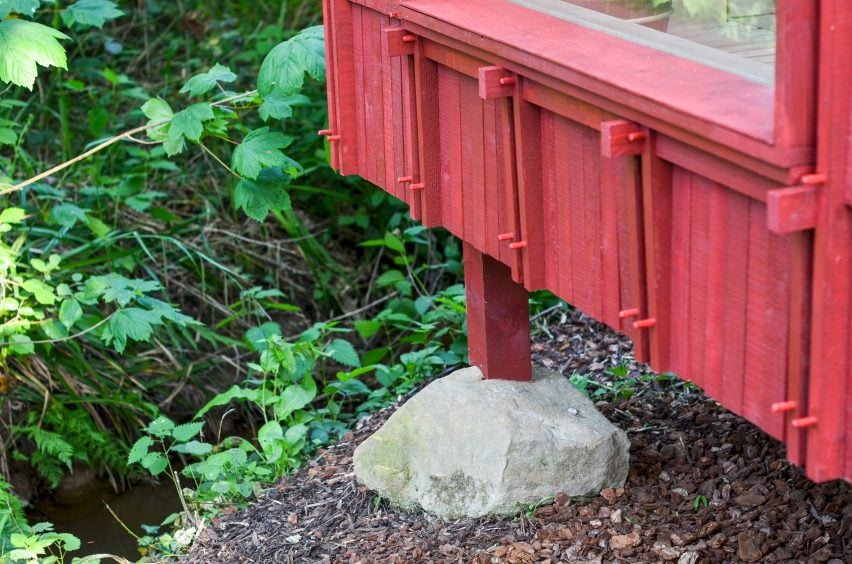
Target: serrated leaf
159 114
167 311
343 352
284 68
131 323
23 7
154 462
258 197
161 426
206 81
93 13
256 336
234 392
186 124
367 327
139 450
25 45
69 542
195 448
70 312
261 149
280 106
187 431
43 293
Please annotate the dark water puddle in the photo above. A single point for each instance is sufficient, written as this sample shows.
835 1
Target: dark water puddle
88 518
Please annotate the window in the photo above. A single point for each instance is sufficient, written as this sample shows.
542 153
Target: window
736 36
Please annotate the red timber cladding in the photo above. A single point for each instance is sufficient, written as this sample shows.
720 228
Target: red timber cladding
584 212
731 298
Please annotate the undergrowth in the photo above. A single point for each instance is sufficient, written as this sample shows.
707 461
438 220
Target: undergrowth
181 272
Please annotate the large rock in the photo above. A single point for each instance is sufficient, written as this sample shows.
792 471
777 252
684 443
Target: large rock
465 447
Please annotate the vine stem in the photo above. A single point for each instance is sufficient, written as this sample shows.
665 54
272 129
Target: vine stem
80 157
111 141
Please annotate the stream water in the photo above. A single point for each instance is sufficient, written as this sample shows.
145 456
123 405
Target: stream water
100 532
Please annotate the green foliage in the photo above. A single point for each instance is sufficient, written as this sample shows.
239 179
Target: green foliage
24 46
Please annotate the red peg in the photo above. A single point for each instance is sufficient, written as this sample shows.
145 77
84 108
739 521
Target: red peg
811 179
507 80
783 406
625 313
518 245
404 179
324 132
409 38
334 137
636 136
418 186
506 237
645 323
808 421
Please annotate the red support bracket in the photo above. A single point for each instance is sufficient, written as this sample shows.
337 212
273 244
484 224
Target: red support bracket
622 138
791 209
496 82
397 42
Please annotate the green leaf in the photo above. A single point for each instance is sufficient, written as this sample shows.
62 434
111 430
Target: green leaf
195 448
280 106
390 277
284 68
187 124
343 352
154 462
167 311
8 136
69 542
256 336
262 149
23 7
367 327
116 288
12 215
394 243
258 197
21 344
139 450
23 46
131 323
187 431
159 116
94 13
43 293
70 312
234 392
293 398
269 438
206 81
160 427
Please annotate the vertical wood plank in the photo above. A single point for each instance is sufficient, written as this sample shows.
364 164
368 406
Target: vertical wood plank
449 125
528 154
609 250
717 291
829 442
331 80
374 103
734 315
576 252
510 174
592 221
698 270
474 196
345 84
801 258
428 135
563 165
498 318
680 246
657 219
492 173
550 201
411 145
796 74
360 87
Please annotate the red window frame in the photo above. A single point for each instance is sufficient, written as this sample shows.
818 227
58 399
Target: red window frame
762 128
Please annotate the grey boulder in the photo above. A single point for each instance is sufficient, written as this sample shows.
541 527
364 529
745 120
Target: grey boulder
466 447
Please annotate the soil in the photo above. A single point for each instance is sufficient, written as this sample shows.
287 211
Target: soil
704 486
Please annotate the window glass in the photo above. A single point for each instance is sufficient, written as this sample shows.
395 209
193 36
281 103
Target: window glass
736 36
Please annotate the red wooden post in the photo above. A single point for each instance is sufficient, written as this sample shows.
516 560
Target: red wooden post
498 323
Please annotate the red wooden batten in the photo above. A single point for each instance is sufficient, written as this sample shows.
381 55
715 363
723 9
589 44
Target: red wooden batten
706 216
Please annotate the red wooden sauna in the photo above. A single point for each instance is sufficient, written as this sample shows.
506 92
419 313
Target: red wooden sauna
684 178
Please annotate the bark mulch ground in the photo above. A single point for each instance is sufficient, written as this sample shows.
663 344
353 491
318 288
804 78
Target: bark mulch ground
704 486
